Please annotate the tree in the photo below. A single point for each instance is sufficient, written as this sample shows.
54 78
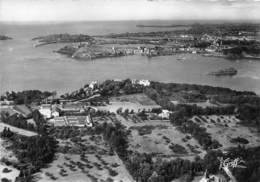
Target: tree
126 112
211 161
7 133
119 110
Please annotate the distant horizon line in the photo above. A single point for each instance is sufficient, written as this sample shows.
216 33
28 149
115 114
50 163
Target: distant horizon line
129 20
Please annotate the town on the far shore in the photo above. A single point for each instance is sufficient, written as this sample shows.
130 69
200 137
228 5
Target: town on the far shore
231 41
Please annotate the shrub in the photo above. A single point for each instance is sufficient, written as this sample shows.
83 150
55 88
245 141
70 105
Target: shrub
115 165
6 170
239 140
197 119
5 180
178 149
112 172
109 180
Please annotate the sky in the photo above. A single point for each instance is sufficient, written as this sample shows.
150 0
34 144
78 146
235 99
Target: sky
102 10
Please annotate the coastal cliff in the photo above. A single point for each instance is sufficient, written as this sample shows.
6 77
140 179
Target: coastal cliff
62 38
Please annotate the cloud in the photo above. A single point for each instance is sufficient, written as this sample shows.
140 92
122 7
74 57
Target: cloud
227 2
70 10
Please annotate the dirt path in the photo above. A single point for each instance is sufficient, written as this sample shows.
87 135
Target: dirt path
17 130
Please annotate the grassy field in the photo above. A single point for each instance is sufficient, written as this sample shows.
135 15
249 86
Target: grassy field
134 98
10 175
89 159
163 139
223 128
134 102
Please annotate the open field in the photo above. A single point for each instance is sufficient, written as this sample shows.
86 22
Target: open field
223 128
17 130
203 104
134 98
161 138
89 159
134 102
8 175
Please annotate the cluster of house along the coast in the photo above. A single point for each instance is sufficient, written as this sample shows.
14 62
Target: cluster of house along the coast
207 45
230 41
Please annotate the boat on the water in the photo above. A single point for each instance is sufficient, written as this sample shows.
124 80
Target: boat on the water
224 72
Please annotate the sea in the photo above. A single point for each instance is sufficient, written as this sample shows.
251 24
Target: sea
24 66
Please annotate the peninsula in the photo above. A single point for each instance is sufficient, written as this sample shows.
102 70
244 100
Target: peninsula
62 38
163 26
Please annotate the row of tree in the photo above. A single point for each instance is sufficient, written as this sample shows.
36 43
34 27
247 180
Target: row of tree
17 121
20 122
35 152
26 97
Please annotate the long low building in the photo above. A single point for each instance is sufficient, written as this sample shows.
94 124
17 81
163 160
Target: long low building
23 110
79 121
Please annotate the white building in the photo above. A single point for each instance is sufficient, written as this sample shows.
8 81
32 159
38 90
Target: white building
144 82
89 122
92 84
6 102
165 114
47 111
55 113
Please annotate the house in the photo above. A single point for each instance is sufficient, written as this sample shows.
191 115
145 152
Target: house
55 113
6 102
72 107
141 82
48 111
144 82
134 81
213 178
7 109
92 85
45 110
58 121
51 99
165 114
23 110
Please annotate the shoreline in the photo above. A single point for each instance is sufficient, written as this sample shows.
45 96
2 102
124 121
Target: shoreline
163 26
225 57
